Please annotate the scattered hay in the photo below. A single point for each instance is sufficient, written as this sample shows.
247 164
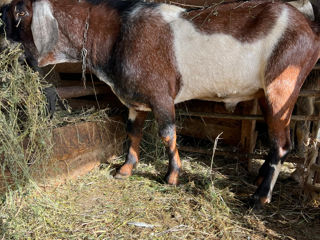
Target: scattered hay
62 118
97 206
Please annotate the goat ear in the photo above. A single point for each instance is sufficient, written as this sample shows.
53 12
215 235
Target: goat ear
44 27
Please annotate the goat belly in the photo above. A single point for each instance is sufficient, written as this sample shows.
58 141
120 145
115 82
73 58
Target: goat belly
217 66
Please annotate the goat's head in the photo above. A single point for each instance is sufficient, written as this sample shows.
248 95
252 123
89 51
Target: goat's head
33 24
16 16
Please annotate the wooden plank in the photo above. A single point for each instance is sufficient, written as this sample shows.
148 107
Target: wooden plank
317 67
69 67
78 104
210 128
237 154
309 93
244 117
248 133
313 157
315 167
312 188
78 91
78 148
65 82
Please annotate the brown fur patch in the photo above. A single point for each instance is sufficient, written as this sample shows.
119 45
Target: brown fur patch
147 51
135 141
291 62
103 28
245 21
46 60
280 91
259 181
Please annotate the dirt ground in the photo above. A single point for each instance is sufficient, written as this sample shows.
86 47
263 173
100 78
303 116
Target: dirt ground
203 206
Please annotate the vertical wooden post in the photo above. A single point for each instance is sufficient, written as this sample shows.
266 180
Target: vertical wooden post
314 157
248 132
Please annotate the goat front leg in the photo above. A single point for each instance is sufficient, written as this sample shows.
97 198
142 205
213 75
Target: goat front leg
134 129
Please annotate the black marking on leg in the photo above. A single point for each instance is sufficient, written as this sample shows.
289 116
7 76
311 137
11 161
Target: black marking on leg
130 126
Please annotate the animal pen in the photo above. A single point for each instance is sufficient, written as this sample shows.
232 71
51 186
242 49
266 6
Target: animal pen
87 137
80 147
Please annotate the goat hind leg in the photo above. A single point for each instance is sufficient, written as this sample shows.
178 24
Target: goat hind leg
270 170
165 117
169 140
277 115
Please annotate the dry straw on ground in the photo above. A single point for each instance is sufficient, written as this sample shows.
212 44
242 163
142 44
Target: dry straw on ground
97 206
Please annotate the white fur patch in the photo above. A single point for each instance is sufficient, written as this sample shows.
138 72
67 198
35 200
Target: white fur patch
132 114
44 27
218 66
143 108
135 12
304 7
170 12
277 169
46 36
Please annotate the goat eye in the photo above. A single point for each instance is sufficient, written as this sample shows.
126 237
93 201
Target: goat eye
21 13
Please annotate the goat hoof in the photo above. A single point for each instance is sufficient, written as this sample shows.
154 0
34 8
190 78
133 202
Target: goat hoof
125 171
172 178
257 203
122 176
254 204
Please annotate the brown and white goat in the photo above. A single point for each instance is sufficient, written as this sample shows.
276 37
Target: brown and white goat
156 55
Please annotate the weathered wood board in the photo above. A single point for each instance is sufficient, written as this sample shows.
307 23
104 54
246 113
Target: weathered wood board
77 149
81 147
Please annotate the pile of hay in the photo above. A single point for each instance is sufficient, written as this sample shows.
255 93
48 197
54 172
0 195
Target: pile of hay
25 129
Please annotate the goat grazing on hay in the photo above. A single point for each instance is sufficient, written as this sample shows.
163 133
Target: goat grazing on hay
156 55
